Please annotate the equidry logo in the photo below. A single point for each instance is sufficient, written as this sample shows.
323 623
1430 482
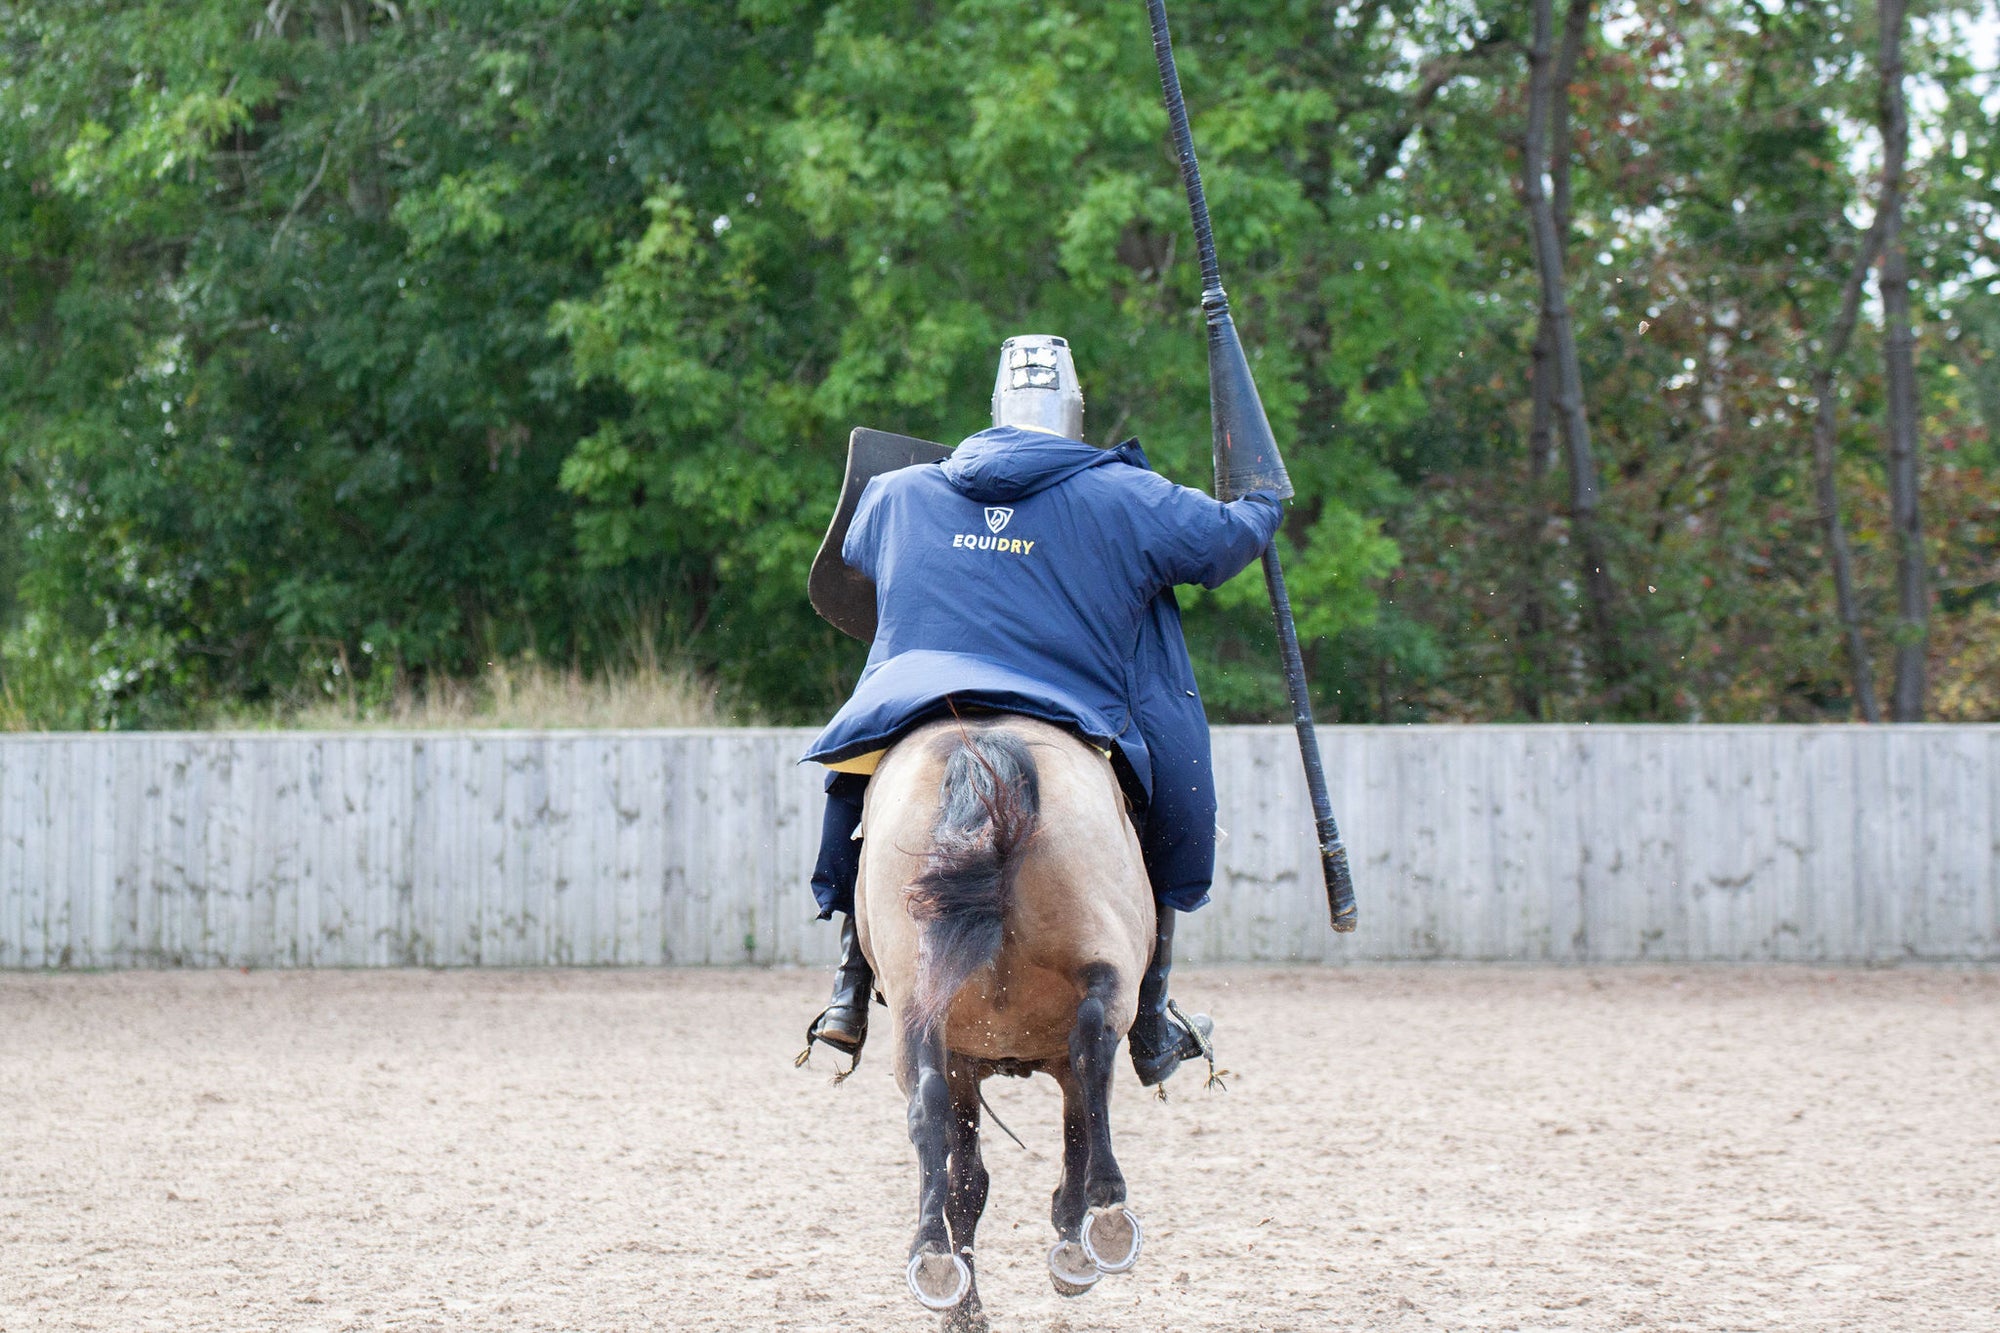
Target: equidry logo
997 519
973 541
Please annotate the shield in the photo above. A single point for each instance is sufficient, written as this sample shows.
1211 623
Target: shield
843 595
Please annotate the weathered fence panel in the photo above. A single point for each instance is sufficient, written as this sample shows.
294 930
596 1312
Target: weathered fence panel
1561 844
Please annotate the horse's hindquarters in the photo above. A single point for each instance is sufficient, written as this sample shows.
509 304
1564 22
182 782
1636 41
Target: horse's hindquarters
1079 900
1005 907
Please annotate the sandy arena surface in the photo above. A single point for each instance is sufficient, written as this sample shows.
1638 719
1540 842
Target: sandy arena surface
1399 1148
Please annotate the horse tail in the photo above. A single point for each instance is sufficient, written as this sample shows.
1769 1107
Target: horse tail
988 807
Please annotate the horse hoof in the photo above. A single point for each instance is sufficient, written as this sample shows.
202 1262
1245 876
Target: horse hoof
1071 1268
938 1280
1111 1238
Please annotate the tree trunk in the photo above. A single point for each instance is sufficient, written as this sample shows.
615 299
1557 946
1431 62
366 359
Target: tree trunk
1900 377
340 23
1600 595
1536 670
1539 668
1825 438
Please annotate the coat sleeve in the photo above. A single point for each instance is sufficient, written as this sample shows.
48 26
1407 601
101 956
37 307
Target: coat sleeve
862 543
1186 537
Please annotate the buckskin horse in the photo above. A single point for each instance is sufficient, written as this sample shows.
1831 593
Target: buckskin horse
1004 906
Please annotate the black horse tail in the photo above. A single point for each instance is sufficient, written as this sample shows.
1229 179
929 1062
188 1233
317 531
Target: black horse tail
988 806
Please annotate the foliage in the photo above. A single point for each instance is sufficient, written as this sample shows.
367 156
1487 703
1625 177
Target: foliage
521 695
352 347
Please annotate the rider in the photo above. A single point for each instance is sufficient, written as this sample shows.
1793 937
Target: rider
1033 573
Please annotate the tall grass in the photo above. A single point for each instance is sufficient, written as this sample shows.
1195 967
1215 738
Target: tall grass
525 695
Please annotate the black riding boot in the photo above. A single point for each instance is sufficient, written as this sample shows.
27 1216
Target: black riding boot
843 1024
1160 1036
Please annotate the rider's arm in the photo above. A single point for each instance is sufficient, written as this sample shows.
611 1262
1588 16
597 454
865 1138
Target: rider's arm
1189 538
863 540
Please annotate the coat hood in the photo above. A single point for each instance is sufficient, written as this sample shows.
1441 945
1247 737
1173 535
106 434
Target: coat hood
1008 462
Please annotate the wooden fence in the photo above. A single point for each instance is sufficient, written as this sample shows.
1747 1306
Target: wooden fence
1564 844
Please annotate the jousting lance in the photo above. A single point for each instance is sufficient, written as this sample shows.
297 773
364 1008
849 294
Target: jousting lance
1246 460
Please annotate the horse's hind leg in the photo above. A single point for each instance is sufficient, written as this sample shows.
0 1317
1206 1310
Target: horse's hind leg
965 1197
1092 1217
1110 1231
1070 1266
938 1278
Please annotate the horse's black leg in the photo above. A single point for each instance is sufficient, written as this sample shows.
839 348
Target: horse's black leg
1070 1267
965 1197
937 1277
1066 1208
1110 1231
1096 1232
1092 1044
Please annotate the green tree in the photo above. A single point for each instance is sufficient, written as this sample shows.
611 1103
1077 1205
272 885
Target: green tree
345 345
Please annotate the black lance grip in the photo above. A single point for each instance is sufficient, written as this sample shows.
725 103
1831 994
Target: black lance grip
1247 459
1332 851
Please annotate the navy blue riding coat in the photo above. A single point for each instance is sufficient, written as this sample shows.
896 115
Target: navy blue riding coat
1025 573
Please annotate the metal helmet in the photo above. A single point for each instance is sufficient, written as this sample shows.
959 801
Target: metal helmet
1037 387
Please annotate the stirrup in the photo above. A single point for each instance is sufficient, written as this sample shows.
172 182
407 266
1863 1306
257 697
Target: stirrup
814 1034
1185 1038
1203 1046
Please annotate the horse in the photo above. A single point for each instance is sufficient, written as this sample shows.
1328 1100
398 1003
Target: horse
1006 911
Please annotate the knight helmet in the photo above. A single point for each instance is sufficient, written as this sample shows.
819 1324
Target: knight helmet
1037 388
